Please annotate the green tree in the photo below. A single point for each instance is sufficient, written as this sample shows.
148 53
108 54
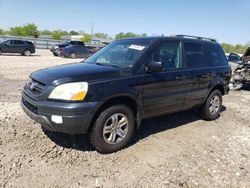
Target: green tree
142 35
31 30
1 31
229 48
101 35
86 38
25 30
57 34
73 33
45 32
17 31
122 35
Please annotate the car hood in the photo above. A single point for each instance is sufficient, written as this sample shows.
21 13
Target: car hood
75 72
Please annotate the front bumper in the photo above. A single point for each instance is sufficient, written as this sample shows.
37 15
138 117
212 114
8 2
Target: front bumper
76 116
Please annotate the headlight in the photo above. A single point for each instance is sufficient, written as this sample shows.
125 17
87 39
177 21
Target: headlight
71 91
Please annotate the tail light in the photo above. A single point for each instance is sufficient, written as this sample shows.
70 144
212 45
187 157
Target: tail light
61 49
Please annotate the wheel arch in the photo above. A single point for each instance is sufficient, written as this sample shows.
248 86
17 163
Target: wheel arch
124 100
219 87
26 49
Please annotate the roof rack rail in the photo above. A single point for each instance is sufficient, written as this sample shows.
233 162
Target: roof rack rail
195 37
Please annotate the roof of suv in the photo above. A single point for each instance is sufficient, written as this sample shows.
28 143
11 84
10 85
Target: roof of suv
179 37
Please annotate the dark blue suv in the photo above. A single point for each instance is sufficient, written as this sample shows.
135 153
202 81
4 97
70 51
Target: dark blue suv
111 92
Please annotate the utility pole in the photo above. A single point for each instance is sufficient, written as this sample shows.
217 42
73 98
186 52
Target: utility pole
92 31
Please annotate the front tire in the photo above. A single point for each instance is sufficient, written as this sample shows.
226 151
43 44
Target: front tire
113 129
212 107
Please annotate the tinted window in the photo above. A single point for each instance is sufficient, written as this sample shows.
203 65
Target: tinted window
216 54
73 43
29 43
234 57
80 43
18 42
8 42
194 55
169 54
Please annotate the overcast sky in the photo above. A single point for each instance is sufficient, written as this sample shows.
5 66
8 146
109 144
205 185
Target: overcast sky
225 20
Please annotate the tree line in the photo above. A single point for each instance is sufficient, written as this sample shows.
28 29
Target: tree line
32 30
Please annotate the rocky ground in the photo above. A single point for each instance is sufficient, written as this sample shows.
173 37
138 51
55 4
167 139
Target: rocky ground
179 150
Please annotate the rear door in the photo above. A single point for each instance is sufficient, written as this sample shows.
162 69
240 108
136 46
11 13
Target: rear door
18 46
164 92
199 73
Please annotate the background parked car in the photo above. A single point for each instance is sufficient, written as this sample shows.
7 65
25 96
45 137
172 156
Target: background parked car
57 49
17 46
93 49
233 57
75 51
240 71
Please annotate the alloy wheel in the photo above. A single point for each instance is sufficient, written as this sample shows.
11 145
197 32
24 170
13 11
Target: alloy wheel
115 128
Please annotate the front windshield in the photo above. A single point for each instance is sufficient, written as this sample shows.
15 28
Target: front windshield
121 54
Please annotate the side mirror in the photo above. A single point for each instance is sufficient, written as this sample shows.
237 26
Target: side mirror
154 66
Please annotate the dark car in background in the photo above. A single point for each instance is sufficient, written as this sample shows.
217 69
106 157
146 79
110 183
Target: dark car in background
75 51
17 46
57 49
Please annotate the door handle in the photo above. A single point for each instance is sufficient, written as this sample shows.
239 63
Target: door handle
179 77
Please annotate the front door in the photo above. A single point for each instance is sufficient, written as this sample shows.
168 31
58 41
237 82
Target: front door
164 91
7 46
19 46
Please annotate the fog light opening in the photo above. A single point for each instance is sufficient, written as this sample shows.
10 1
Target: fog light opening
57 119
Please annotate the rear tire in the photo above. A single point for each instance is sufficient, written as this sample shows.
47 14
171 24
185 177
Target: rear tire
73 55
113 129
27 53
212 107
0 52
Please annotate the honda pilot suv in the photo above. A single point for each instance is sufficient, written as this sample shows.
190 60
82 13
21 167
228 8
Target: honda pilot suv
111 92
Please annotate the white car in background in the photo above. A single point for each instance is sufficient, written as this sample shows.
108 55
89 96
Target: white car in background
240 71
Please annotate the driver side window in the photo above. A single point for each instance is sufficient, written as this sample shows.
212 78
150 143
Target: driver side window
168 53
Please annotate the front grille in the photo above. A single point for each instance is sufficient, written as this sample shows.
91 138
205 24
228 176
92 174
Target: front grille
35 87
31 107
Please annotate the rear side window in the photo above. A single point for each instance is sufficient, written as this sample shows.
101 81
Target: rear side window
234 57
18 42
80 43
216 54
29 43
194 55
73 43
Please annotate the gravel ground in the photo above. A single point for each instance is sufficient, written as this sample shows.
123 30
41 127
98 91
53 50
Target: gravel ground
178 150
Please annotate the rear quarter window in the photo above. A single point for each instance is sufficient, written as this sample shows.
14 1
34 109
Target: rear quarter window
194 55
216 55
18 42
